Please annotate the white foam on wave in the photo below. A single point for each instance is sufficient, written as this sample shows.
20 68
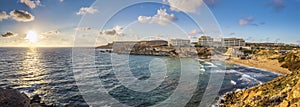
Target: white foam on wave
232 82
210 64
247 77
244 77
264 70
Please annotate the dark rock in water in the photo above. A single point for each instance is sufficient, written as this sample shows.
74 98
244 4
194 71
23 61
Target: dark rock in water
13 98
36 99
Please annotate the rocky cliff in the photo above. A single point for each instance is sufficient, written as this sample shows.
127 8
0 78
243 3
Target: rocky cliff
138 48
283 91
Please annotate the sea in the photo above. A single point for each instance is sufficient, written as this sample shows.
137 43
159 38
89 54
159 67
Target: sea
122 80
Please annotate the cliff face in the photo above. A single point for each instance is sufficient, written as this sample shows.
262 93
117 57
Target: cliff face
293 98
282 91
141 48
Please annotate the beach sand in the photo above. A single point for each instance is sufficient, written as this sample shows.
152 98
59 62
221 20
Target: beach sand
262 63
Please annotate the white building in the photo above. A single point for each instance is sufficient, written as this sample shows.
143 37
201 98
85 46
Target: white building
180 42
205 41
233 42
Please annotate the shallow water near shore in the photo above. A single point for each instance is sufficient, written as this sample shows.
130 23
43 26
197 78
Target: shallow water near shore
48 72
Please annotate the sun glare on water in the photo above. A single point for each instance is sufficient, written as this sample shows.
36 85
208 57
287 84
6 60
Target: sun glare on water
32 36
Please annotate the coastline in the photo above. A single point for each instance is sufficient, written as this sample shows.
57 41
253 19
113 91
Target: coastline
275 68
269 65
282 91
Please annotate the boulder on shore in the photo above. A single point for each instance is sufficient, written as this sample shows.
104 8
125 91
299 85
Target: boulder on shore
13 98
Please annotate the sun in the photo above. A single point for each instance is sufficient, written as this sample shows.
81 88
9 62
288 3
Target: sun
32 36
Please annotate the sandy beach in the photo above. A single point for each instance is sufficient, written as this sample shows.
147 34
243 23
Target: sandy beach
262 63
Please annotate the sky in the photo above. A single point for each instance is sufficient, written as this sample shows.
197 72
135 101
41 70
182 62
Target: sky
65 23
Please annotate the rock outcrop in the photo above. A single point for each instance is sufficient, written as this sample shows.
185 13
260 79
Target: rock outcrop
141 48
13 98
282 91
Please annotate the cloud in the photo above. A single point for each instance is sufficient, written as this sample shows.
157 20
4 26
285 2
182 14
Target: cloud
53 32
232 33
195 32
83 28
162 18
31 3
243 22
278 4
61 0
144 19
3 16
8 34
21 16
116 31
85 10
246 21
185 5
109 32
118 28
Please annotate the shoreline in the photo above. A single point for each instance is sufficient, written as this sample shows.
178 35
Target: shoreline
268 65
249 63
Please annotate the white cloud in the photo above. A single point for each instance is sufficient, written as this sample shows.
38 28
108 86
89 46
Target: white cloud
85 10
246 21
243 22
162 18
61 0
192 35
3 16
118 28
144 19
31 3
111 32
185 5
116 31
21 16
195 32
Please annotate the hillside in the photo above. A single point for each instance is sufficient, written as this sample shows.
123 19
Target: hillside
283 91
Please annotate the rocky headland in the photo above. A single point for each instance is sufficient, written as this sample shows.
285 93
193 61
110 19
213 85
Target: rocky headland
156 49
13 98
283 91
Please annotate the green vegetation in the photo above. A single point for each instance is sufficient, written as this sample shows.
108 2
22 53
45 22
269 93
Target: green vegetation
247 51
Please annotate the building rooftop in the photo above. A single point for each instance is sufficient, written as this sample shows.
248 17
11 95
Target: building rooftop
179 39
233 39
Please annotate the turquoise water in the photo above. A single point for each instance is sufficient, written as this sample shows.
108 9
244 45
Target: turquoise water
48 72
